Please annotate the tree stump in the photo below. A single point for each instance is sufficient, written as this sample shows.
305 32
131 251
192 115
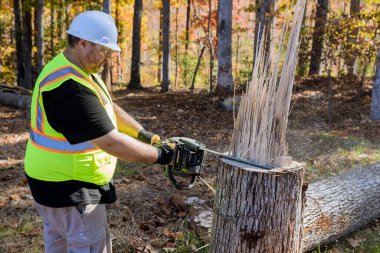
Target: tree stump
257 210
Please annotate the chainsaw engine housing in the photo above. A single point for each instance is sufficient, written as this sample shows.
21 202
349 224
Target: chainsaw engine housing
187 162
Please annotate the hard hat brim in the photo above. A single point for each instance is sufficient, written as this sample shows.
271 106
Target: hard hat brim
114 47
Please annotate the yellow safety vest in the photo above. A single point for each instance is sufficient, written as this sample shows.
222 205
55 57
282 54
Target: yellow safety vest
49 156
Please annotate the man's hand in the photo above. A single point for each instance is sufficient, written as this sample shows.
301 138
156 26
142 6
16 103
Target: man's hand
165 154
148 137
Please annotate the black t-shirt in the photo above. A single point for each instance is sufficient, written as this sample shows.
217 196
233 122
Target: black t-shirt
75 111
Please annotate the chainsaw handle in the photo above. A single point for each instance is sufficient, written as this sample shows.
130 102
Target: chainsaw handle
175 182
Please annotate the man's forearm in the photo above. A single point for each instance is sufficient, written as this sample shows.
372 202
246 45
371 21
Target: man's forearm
126 147
125 123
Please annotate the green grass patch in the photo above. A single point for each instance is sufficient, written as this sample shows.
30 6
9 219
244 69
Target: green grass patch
189 242
126 169
329 155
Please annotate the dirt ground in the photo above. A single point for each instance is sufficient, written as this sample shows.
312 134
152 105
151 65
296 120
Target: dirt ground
144 219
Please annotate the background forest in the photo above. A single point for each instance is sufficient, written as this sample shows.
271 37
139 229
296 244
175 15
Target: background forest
337 36
178 46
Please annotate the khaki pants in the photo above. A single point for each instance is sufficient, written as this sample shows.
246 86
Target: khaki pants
76 229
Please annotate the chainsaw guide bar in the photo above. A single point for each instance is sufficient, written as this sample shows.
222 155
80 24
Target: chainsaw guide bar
189 156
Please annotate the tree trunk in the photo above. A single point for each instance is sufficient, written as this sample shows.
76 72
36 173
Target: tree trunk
166 47
159 53
330 98
119 72
211 49
340 205
10 98
304 46
196 68
106 72
264 21
60 20
176 45
375 100
67 14
52 26
187 29
317 44
352 37
135 82
27 44
237 54
257 210
224 83
187 40
40 36
19 44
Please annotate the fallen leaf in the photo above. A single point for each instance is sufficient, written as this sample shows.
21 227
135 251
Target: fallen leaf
144 227
15 197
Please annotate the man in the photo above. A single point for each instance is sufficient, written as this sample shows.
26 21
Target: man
76 134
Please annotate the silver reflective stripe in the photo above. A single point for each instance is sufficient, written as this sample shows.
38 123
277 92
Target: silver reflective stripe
52 77
59 145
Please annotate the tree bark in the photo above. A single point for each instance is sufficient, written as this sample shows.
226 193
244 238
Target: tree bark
52 26
257 210
211 49
196 68
120 76
352 37
375 100
224 83
340 205
19 44
187 40
67 13
13 99
333 207
319 29
106 72
166 47
135 82
187 29
264 21
60 20
159 53
176 45
304 45
40 36
27 44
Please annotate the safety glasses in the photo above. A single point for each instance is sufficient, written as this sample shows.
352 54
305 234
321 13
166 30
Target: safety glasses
103 51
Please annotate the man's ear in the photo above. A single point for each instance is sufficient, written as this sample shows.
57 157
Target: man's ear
82 43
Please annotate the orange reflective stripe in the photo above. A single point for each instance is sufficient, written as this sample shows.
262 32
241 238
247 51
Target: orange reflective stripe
51 137
59 151
55 76
58 146
55 80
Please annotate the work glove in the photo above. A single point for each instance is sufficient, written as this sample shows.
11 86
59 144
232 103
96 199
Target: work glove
165 154
148 137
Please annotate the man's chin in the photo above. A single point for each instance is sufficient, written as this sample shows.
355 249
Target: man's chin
96 70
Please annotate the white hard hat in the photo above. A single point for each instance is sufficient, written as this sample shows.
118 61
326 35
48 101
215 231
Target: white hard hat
97 27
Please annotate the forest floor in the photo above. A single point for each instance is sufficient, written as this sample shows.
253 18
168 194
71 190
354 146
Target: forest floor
144 219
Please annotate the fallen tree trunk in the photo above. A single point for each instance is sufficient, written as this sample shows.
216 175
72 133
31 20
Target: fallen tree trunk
334 207
14 97
339 205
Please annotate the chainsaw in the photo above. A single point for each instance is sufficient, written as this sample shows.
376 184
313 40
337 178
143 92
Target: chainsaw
188 161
